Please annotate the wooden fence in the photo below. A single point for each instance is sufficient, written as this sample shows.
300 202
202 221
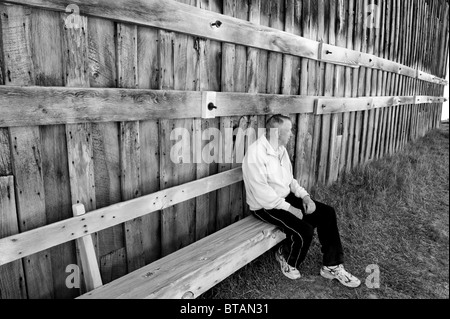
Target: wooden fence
91 92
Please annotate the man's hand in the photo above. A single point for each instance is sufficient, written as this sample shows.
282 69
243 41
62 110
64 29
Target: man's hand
296 212
308 205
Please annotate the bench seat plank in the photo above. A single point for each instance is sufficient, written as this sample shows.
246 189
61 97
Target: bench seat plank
194 269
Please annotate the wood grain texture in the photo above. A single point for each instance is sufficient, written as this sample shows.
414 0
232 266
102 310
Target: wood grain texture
57 105
326 34
5 153
315 87
209 79
177 223
346 37
78 136
148 72
91 271
290 81
211 259
233 59
356 83
26 150
130 154
340 129
30 242
105 146
12 277
170 15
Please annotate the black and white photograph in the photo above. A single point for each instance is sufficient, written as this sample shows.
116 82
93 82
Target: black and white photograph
241 158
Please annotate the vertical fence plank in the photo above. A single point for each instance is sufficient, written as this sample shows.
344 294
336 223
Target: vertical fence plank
346 38
12 277
275 60
337 17
369 91
178 70
403 79
240 81
5 153
395 79
147 78
351 86
252 85
379 115
305 121
388 89
79 136
130 144
290 75
363 83
358 75
48 71
384 89
227 85
106 148
166 82
234 68
314 88
408 62
209 62
12 280
26 148
327 36
376 78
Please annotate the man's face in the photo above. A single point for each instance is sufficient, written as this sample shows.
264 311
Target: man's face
284 133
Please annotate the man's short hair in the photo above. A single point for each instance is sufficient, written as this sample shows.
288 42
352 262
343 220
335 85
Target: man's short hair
275 121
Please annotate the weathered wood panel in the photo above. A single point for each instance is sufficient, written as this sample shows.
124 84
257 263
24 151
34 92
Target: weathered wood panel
305 122
290 68
130 150
385 63
315 87
105 144
26 149
234 62
12 277
147 73
212 260
78 136
30 242
170 16
209 79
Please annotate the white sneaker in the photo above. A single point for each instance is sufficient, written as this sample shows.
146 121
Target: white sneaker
339 273
286 269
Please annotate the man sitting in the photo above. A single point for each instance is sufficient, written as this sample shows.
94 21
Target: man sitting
275 197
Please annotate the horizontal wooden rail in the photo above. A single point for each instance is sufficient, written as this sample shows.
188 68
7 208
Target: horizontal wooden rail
38 105
339 105
33 241
21 106
178 17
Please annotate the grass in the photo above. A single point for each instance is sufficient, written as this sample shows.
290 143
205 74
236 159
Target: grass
393 213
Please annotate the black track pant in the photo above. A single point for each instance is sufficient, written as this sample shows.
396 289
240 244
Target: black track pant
299 232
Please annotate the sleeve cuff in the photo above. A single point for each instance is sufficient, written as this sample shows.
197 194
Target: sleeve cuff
301 193
285 206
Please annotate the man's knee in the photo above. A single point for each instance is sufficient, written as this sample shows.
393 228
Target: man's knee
328 212
307 232
302 232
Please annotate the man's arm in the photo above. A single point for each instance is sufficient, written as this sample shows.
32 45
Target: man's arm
299 191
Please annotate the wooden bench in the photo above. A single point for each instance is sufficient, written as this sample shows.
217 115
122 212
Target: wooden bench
186 273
